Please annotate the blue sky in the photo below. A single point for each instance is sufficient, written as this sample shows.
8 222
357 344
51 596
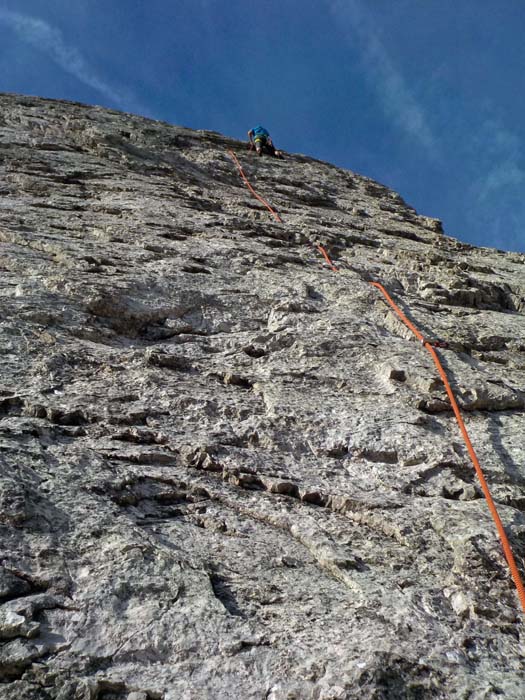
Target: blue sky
425 96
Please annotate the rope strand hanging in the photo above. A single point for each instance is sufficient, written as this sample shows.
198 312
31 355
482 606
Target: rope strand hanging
248 185
481 477
429 346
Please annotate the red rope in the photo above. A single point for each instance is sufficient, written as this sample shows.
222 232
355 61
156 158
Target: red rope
327 258
247 182
484 486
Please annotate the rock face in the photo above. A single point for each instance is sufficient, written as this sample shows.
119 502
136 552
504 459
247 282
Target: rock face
228 472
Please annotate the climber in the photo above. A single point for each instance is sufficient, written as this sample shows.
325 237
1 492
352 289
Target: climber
261 140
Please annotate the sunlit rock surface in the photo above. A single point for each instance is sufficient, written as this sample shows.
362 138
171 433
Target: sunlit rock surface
228 472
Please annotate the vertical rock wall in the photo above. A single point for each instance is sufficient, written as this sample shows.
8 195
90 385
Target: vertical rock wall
225 471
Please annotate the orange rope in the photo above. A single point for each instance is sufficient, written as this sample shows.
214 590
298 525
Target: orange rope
486 491
236 161
326 257
484 486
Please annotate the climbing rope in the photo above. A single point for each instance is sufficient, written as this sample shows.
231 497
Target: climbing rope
484 486
327 258
248 185
429 345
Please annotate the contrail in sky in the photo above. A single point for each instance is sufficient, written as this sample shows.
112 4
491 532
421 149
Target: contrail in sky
44 37
397 100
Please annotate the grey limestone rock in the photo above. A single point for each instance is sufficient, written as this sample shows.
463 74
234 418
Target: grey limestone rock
227 472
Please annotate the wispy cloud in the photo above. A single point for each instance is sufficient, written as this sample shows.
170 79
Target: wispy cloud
499 155
500 178
49 39
395 96
494 201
